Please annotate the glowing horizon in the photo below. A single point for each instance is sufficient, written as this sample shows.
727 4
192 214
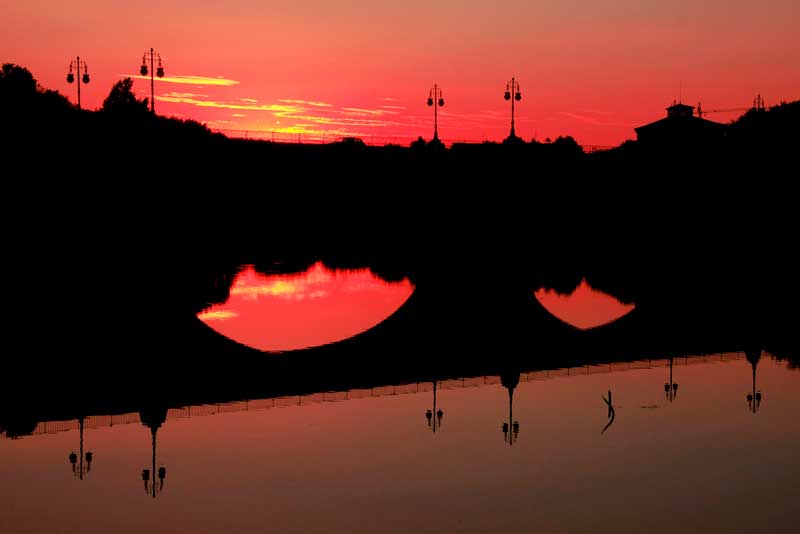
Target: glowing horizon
591 70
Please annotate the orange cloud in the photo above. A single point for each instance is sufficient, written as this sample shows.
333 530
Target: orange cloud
217 315
306 102
189 80
362 112
225 105
183 95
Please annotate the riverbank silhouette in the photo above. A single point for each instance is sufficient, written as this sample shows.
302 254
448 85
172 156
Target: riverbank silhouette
127 224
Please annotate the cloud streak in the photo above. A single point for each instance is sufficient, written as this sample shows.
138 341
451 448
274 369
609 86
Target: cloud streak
319 114
306 102
360 112
226 105
174 94
590 117
188 80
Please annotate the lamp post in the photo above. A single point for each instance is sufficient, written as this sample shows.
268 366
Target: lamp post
434 422
512 93
670 388
81 465
78 64
152 55
435 99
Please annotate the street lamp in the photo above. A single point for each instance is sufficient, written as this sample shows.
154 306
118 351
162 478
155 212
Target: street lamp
512 93
670 388
81 465
78 64
510 429
152 56
435 99
434 422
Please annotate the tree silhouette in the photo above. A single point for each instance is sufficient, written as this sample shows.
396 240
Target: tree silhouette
18 88
16 81
419 143
23 100
567 146
122 99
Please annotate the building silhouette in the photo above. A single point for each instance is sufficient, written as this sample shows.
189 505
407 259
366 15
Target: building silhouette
680 126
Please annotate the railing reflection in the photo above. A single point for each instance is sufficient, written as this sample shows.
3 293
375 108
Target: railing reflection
201 410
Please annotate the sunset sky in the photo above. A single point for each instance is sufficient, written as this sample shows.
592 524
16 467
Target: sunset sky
593 70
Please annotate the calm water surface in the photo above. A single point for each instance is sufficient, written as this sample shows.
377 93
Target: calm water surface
699 459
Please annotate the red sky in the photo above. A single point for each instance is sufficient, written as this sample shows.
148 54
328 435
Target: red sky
593 70
287 312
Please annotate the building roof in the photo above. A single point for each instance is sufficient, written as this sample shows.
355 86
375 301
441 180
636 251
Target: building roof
680 109
682 122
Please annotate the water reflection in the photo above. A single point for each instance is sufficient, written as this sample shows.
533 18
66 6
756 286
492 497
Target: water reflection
279 312
434 422
612 413
670 388
282 471
81 463
510 381
584 308
153 419
754 397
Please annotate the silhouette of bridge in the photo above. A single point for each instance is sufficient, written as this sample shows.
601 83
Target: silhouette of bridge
102 421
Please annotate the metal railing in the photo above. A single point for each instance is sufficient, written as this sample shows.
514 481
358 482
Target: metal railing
371 140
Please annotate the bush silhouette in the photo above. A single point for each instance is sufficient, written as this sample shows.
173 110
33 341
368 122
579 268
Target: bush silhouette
121 99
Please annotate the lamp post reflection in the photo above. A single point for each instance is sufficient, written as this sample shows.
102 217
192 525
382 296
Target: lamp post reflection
153 419
511 428
81 463
670 388
434 422
754 397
